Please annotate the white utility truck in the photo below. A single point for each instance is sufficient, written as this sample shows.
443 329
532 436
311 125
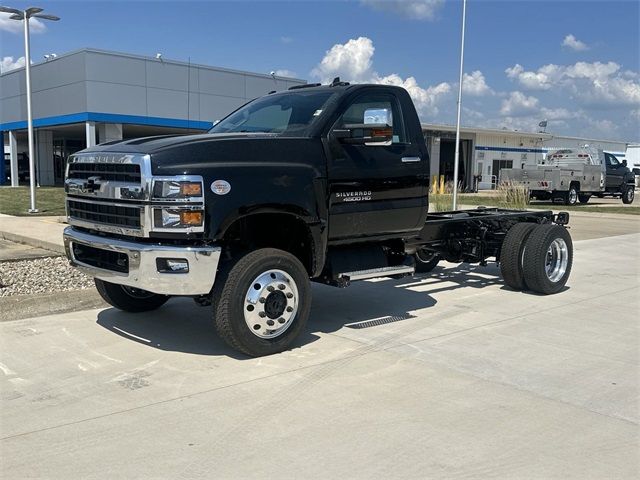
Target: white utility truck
574 175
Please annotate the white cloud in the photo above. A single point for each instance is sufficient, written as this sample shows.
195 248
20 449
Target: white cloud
518 104
285 39
15 26
7 63
286 73
413 9
574 44
475 84
596 83
353 62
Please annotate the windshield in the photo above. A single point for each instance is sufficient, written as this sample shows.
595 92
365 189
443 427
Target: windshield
287 114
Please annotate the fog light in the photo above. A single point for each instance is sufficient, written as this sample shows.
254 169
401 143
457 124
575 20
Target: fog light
172 265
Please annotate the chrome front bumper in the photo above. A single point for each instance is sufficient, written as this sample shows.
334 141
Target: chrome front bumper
143 269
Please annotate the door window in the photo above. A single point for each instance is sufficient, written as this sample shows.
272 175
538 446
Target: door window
611 161
376 109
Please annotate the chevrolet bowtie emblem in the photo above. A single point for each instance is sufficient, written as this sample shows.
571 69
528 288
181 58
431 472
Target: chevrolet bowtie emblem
91 184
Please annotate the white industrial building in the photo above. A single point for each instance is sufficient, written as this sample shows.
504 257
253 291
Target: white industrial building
484 151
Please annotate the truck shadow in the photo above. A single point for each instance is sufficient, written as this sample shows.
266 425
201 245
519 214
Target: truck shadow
182 326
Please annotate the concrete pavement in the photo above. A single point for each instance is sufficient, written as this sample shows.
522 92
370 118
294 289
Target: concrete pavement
39 232
446 376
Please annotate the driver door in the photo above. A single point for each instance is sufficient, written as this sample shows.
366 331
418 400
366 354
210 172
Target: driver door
376 188
615 173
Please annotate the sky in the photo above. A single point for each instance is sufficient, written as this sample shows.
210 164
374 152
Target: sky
574 63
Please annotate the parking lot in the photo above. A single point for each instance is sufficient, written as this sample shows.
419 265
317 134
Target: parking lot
450 375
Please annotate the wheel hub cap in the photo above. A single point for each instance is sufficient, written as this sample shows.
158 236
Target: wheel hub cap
271 304
557 260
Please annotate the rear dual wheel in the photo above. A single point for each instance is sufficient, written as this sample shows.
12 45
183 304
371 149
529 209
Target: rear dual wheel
537 258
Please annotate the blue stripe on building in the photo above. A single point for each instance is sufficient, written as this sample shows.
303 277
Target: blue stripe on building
107 118
510 149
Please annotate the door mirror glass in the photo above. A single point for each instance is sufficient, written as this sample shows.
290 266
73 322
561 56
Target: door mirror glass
380 116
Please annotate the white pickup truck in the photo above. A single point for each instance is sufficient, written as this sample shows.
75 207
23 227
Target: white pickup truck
574 175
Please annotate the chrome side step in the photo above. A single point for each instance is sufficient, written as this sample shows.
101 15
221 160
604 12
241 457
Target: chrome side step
376 272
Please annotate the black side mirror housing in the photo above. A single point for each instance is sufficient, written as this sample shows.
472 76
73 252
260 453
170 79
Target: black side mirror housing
624 163
364 133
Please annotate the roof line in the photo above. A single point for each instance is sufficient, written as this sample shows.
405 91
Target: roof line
164 60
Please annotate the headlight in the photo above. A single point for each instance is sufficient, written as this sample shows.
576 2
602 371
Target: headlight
177 218
176 189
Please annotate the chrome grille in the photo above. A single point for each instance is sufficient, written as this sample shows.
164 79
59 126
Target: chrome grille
104 213
114 172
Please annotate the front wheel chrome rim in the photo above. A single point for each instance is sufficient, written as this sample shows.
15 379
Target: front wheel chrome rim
556 260
425 256
573 196
271 304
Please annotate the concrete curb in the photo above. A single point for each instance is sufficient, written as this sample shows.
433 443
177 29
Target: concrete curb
34 242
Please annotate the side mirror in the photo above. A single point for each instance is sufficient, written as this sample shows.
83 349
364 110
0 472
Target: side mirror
364 133
624 163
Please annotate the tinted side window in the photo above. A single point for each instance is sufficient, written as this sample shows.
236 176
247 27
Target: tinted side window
379 109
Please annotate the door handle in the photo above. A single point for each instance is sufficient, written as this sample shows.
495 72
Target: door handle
410 159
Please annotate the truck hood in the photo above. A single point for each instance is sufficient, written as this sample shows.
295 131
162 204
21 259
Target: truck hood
155 144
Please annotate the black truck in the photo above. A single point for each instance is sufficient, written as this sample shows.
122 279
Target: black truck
325 183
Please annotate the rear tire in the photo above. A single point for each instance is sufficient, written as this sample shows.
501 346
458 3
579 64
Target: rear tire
426 261
511 254
628 195
261 301
129 299
584 198
571 197
547 259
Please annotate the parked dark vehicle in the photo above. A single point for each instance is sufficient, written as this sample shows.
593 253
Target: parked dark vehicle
23 166
323 183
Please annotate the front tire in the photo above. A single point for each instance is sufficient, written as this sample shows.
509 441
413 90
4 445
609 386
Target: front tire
261 301
129 299
426 261
547 259
628 195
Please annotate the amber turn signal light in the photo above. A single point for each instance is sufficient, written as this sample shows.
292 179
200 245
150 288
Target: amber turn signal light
191 218
191 189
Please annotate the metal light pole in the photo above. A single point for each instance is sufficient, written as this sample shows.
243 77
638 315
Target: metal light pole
457 154
24 16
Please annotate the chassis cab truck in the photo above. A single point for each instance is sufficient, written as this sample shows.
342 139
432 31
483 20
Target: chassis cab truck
321 183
